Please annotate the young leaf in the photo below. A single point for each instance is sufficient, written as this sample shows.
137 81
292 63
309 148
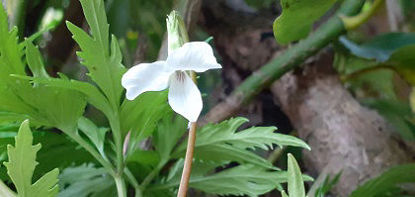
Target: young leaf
35 61
102 59
387 181
221 142
295 179
297 18
22 163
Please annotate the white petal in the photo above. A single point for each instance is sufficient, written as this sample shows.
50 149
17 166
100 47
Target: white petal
197 56
146 77
184 96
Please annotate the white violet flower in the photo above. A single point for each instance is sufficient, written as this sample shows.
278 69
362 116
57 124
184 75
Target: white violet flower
184 96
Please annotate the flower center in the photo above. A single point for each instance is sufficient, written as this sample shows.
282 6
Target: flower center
180 76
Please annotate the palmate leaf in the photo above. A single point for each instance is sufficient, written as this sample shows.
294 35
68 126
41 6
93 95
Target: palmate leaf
22 163
297 18
102 59
387 181
221 142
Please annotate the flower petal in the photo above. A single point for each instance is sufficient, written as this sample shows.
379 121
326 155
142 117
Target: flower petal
145 77
197 56
184 96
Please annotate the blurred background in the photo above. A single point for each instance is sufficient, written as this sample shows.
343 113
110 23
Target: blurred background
356 119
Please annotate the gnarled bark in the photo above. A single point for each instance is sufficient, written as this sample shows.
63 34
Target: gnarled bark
344 135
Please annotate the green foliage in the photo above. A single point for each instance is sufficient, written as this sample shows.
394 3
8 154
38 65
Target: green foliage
102 60
22 163
297 18
221 142
295 179
240 180
390 57
217 146
380 48
140 116
94 133
327 185
388 181
86 180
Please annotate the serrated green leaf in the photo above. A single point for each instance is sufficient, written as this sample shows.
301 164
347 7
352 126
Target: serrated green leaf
22 163
140 116
169 131
221 142
297 18
387 181
99 55
85 181
92 93
241 180
295 179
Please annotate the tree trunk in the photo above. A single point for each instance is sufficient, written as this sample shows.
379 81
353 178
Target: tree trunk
344 135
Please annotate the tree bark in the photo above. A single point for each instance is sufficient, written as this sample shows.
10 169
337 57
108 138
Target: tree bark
344 135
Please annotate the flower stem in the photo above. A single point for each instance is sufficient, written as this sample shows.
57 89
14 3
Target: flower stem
187 169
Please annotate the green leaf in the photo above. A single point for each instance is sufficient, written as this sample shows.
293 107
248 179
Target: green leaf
221 142
22 163
169 131
241 180
86 181
92 93
387 181
140 116
35 61
403 60
94 133
381 47
327 185
102 58
297 18
295 179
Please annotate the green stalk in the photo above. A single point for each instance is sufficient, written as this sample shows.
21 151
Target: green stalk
355 21
78 139
287 61
116 132
120 184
